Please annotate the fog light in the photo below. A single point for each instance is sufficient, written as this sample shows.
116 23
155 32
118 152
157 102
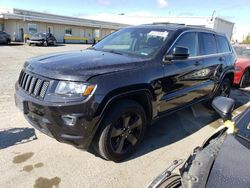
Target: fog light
69 120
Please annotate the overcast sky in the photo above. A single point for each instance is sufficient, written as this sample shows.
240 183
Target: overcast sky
237 11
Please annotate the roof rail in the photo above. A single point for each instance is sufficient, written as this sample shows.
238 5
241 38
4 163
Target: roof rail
197 26
155 23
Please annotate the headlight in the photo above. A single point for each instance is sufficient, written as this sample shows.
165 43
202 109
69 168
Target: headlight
66 88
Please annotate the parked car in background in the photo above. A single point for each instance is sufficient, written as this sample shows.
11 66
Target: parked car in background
107 95
4 38
242 66
44 39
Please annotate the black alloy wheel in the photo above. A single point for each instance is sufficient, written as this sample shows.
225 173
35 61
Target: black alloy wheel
122 130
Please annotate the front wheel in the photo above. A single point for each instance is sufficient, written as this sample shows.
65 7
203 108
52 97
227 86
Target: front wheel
45 43
122 130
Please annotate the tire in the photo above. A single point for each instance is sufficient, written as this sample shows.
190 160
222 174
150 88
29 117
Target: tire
8 41
122 130
224 89
45 43
245 80
173 181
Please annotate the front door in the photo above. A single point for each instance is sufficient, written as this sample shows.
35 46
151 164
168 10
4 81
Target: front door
182 83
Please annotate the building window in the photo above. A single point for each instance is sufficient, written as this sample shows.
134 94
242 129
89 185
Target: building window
97 33
32 28
1 27
68 31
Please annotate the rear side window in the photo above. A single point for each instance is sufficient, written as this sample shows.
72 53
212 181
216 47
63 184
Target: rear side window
207 44
222 43
187 40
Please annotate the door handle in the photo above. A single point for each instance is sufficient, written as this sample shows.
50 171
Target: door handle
197 63
222 59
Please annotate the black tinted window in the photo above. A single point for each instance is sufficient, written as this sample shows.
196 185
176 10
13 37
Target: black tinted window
207 44
222 44
187 40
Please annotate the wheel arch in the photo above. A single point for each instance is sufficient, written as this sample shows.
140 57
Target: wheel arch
142 95
230 75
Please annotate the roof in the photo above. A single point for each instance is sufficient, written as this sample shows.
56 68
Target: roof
174 26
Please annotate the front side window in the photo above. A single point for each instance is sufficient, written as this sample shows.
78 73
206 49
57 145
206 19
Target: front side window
135 41
32 28
222 44
188 41
207 44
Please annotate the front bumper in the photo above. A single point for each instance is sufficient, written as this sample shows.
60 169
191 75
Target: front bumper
66 122
34 42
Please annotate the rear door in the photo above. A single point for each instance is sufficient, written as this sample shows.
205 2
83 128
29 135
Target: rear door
213 61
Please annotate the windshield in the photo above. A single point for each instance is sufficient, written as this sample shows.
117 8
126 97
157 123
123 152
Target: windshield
135 41
39 35
242 52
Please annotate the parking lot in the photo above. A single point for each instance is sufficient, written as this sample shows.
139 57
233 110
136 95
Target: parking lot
29 158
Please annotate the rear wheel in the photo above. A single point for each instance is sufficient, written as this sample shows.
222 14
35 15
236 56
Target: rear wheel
123 128
173 181
225 88
245 80
224 91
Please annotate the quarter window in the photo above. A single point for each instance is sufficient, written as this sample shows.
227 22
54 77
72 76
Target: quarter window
222 44
188 41
207 44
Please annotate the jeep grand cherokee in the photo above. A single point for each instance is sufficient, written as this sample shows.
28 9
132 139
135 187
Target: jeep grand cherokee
107 95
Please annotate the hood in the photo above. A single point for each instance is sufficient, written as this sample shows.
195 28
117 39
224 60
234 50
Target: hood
80 65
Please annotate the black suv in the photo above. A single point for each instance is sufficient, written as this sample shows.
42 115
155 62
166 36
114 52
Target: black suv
107 95
44 39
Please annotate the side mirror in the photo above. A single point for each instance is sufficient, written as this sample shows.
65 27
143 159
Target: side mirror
224 107
179 53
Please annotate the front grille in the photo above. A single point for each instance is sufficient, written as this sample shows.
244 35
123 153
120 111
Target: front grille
34 86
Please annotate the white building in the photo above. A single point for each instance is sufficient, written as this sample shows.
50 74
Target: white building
21 24
216 23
